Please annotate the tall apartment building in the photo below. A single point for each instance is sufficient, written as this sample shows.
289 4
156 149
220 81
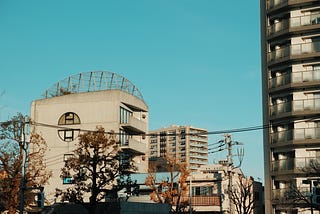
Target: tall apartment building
290 53
185 143
83 102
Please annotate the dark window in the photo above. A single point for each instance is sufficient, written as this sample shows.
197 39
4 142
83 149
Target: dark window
123 138
124 115
67 180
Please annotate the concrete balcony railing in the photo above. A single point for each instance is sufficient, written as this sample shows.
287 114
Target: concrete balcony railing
135 126
294 51
299 77
296 106
134 146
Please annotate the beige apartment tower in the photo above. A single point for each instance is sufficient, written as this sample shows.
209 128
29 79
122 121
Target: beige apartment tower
290 53
185 143
82 102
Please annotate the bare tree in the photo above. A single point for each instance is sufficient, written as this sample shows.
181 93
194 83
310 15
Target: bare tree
95 168
304 195
11 163
174 189
242 195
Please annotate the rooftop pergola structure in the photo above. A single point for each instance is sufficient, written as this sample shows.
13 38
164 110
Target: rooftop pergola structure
92 81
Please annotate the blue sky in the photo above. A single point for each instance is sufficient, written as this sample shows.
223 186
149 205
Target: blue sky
196 62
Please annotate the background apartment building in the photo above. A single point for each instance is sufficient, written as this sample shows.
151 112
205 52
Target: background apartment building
185 143
290 49
82 102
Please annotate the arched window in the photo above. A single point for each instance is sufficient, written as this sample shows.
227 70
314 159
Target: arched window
69 118
71 134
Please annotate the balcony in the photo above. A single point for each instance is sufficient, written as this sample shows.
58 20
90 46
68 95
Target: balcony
134 146
198 156
294 52
296 107
206 201
197 161
135 126
294 24
296 136
295 165
282 195
295 79
278 4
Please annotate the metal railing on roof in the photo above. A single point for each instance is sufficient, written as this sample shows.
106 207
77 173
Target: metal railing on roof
92 81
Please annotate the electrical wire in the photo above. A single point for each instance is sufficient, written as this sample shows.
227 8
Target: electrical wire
244 129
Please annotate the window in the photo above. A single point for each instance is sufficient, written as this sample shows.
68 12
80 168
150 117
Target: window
67 180
68 135
68 118
202 191
67 156
124 115
123 138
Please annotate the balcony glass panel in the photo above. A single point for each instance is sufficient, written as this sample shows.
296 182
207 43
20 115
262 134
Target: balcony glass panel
293 50
316 74
295 106
296 134
295 77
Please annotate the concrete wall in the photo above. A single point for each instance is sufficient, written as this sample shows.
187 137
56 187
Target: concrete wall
100 108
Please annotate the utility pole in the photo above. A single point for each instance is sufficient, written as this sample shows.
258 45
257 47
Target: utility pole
24 144
227 140
230 166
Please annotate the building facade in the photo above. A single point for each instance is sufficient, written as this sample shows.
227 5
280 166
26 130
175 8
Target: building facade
185 143
82 102
290 57
209 186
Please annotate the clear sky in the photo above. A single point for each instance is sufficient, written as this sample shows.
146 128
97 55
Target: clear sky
196 62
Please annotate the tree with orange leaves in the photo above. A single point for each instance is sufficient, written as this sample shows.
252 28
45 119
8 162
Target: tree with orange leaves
173 190
96 168
13 144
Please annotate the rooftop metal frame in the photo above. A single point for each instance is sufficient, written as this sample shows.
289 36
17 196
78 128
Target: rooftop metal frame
90 82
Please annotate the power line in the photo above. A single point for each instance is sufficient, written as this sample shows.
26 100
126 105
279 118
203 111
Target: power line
245 129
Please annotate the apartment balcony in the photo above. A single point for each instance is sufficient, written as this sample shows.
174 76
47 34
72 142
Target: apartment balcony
197 161
198 138
202 150
295 136
294 52
294 165
295 79
134 146
295 108
198 144
294 24
205 201
285 196
135 126
198 156
274 5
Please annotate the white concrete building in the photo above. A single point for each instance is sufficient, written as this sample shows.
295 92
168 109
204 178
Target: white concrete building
290 57
82 102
